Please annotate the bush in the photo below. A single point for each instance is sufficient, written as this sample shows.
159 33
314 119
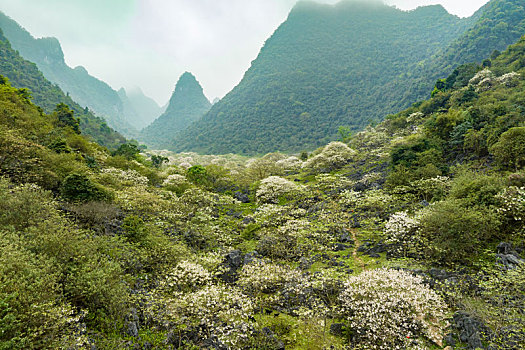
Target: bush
510 149
456 234
387 309
333 156
79 188
274 187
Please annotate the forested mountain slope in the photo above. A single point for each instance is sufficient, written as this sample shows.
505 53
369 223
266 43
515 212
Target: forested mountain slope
24 74
82 87
345 65
187 105
325 67
499 24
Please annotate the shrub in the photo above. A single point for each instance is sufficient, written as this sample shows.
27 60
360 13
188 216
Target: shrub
401 230
457 234
134 228
274 187
333 156
186 276
476 189
510 149
386 309
79 188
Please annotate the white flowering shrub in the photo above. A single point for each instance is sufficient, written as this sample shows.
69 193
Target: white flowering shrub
264 277
482 75
387 309
512 203
273 188
186 276
509 79
214 310
333 156
177 183
401 231
332 182
290 164
123 177
373 200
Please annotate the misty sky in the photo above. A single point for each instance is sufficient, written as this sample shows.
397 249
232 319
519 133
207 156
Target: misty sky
150 43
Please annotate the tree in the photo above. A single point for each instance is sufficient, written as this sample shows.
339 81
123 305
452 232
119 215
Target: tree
127 150
66 117
510 149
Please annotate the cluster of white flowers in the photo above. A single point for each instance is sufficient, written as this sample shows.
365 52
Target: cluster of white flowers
290 163
388 308
333 156
216 309
186 276
401 231
265 277
176 180
376 200
125 177
509 79
331 182
512 203
485 79
274 187
481 76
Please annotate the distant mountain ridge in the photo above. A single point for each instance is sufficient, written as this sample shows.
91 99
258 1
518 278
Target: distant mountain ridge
343 65
25 74
187 105
85 89
144 109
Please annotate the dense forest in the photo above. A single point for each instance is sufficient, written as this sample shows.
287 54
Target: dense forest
187 105
345 65
25 75
406 235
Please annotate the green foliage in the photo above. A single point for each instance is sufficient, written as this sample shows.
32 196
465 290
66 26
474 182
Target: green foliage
510 148
65 117
134 228
128 151
456 233
197 174
287 101
25 75
79 188
158 160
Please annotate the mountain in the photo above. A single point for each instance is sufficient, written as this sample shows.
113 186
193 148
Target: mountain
345 65
82 87
497 25
324 67
144 110
186 105
25 74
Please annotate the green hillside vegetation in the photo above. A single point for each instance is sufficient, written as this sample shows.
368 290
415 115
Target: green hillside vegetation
187 105
407 235
326 66
346 65
85 89
25 75
499 24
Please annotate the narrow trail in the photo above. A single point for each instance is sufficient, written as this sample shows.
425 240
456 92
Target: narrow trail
356 245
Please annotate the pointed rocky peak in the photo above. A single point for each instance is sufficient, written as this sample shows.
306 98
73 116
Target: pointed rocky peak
187 91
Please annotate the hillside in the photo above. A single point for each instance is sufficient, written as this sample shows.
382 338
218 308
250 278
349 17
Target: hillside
498 24
24 74
409 235
83 88
187 105
346 65
324 67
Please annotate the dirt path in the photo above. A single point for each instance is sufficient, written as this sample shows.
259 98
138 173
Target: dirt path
356 245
